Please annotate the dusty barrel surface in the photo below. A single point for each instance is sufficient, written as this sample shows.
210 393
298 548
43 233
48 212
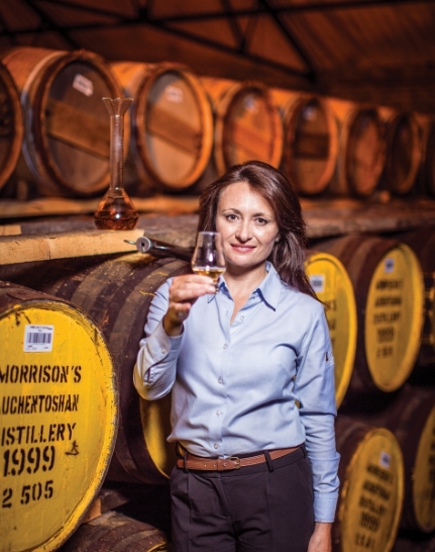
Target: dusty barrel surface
58 417
371 493
11 125
247 123
388 283
361 149
171 125
403 150
115 531
66 144
333 287
411 419
310 140
116 293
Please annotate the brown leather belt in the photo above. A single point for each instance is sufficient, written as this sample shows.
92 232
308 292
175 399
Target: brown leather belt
192 462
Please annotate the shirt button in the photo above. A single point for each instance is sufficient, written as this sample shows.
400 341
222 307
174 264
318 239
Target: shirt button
163 350
242 318
218 413
225 345
220 380
215 446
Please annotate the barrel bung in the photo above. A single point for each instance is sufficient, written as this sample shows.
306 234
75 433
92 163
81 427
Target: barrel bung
333 287
58 417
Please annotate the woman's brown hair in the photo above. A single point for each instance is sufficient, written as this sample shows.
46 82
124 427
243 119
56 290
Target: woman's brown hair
288 255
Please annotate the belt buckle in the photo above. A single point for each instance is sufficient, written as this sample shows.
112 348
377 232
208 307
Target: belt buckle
236 460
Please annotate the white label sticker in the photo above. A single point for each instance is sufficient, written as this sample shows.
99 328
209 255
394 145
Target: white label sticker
251 104
83 85
389 265
385 460
317 282
38 338
174 94
309 113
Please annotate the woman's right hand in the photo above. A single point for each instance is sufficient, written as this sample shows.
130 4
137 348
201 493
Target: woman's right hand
183 293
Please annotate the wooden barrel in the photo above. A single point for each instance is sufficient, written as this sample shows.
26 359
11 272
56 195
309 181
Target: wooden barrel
11 125
310 140
404 150
58 416
422 242
333 287
116 292
66 145
171 126
371 493
414 543
116 532
428 163
247 123
411 418
388 283
361 149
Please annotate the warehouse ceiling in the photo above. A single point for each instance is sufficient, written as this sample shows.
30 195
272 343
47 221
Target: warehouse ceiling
368 50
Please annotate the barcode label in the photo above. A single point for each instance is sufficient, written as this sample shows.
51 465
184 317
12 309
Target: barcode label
251 105
38 338
83 85
317 282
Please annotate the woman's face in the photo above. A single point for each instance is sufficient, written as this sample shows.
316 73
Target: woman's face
247 223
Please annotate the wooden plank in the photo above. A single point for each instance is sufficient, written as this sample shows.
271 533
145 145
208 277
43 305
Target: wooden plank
10 209
10 230
22 249
345 216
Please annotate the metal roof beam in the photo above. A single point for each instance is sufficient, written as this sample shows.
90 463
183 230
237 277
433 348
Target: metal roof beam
311 74
146 13
48 24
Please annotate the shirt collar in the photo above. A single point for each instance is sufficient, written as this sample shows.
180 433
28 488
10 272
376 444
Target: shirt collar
269 289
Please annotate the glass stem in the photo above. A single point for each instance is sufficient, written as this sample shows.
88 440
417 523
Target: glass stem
116 152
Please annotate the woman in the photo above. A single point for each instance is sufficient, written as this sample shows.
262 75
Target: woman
252 378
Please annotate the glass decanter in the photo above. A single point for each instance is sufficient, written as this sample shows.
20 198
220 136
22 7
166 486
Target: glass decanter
116 210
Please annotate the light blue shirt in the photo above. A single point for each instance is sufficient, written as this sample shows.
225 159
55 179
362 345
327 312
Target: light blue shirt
266 381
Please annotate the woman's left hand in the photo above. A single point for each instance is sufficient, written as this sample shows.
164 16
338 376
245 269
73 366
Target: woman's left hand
321 540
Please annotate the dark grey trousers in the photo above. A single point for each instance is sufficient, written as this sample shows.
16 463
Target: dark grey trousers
261 508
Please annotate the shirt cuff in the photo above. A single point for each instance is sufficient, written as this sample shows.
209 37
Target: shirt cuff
325 506
160 345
